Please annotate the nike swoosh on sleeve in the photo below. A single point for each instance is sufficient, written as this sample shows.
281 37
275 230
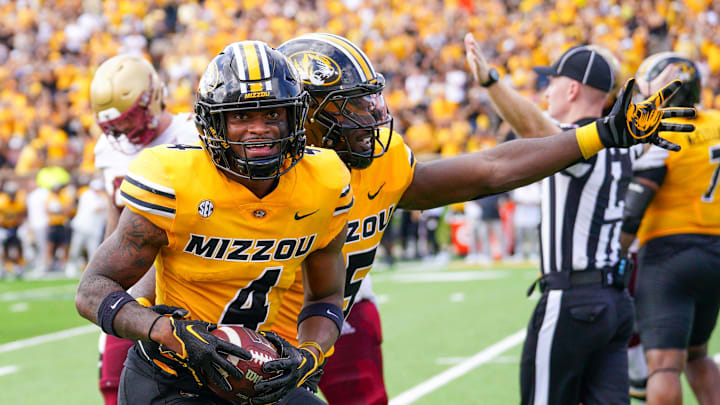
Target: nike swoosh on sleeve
299 217
372 196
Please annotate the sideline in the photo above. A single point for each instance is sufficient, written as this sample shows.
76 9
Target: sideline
51 337
428 386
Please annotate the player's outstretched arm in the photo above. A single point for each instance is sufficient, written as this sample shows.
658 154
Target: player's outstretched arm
523 115
516 163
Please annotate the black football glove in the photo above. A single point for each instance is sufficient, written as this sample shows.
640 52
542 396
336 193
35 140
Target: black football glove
200 352
630 124
151 350
296 365
168 310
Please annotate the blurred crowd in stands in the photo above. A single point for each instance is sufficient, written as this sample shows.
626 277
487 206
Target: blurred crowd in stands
50 49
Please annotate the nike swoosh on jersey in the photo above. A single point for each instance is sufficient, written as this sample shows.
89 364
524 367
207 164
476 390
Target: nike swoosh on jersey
299 217
372 196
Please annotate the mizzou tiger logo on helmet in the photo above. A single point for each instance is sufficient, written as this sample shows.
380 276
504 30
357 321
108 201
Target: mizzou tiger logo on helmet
316 69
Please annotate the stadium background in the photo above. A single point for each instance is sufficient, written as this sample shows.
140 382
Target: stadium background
48 53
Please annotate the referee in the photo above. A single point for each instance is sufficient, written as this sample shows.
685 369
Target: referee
576 345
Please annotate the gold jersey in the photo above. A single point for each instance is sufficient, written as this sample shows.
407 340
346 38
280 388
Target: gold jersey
377 192
59 206
12 210
232 255
688 200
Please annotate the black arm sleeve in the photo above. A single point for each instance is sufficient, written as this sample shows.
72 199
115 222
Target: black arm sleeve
638 197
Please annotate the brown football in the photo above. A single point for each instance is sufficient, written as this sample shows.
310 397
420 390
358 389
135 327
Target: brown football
262 351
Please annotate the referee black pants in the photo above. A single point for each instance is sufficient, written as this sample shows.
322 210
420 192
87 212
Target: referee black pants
576 348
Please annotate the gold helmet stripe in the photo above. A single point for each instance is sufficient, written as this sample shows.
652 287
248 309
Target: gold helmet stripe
362 65
251 60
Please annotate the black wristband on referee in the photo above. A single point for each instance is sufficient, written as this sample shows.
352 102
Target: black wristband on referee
330 311
109 307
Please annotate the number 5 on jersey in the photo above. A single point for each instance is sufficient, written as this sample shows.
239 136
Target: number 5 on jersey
358 265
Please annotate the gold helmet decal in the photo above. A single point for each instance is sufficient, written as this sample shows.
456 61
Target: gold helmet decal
209 80
316 69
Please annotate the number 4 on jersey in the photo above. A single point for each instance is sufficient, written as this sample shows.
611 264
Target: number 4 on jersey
250 306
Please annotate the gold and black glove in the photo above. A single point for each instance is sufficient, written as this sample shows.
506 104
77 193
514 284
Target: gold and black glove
297 365
201 352
630 124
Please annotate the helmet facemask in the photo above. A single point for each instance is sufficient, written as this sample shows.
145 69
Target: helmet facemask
351 121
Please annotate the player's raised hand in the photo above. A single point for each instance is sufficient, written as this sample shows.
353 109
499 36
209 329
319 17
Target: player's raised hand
630 124
475 59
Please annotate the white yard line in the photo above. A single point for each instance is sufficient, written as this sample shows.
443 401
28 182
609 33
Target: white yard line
51 337
8 370
40 293
428 386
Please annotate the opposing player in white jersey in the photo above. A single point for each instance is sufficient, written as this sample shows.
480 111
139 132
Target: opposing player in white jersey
126 96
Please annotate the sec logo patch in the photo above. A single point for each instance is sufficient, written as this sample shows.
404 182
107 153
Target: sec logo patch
205 208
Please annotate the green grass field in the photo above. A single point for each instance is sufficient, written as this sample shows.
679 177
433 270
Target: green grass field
452 335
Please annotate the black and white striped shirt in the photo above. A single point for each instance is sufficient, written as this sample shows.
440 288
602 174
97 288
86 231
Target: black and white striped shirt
582 208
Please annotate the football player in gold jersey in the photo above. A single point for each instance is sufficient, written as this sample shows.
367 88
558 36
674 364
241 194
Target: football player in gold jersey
673 208
13 211
348 114
226 225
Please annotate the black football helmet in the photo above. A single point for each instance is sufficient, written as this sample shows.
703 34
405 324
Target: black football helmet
346 96
689 94
250 76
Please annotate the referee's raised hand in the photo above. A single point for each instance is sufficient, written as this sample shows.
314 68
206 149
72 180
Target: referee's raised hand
630 124
478 64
